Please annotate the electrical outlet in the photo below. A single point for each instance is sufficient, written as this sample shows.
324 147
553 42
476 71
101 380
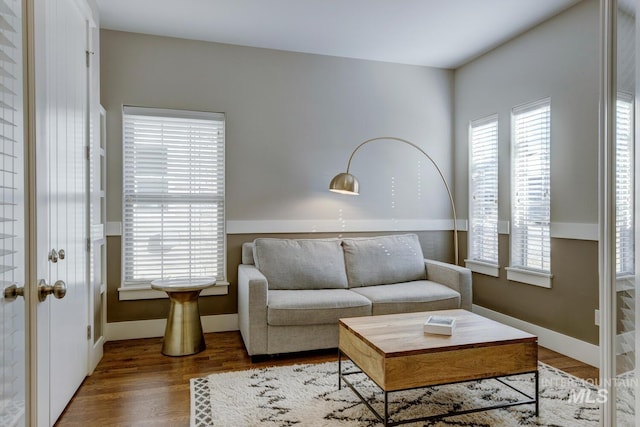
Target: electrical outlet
597 315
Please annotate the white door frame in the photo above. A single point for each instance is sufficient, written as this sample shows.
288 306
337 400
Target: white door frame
607 203
30 203
39 225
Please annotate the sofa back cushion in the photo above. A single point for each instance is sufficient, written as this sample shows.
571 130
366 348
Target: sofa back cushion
383 260
247 253
301 263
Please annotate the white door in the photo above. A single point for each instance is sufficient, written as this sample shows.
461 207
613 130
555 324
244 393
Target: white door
60 28
13 355
620 214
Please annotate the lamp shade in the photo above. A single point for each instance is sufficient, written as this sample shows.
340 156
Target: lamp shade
344 183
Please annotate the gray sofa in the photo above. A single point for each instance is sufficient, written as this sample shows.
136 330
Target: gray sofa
291 292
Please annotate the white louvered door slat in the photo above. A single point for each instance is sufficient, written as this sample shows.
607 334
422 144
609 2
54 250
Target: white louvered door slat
12 216
624 177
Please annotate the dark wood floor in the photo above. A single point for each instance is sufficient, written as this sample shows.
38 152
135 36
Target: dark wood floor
135 385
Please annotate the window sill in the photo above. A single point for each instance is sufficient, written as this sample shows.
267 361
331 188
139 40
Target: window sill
625 283
132 293
529 277
483 267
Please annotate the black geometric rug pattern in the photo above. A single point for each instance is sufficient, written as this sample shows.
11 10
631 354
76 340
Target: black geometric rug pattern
308 395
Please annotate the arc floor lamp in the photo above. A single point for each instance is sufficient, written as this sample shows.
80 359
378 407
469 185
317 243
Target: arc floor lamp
346 183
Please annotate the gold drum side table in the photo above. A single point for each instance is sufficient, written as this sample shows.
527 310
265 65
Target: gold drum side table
183 334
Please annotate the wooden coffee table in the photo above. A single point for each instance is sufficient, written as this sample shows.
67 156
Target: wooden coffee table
395 353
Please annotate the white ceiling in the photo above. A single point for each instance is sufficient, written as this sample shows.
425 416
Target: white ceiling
437 33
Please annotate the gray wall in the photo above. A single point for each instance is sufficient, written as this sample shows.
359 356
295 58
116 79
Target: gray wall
292 121
558 59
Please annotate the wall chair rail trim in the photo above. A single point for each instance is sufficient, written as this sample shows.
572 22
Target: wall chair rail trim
559 230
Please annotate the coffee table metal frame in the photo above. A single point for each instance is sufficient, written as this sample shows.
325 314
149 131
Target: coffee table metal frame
384 418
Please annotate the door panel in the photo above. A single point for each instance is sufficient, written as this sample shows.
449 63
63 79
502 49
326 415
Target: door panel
67 91
61 83
624 353
13 354
620 218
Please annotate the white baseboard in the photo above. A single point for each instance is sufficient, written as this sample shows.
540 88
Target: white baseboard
569 346
155 328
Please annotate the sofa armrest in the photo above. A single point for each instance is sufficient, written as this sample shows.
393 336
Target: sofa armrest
456 277
252 308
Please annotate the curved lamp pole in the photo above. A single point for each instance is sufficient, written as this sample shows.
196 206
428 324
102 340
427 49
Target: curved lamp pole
346 183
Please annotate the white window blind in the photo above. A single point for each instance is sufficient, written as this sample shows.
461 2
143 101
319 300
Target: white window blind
624 186
173 195
483 206
531 187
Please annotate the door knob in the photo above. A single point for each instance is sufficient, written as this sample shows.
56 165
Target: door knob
59 290
54 255
12 292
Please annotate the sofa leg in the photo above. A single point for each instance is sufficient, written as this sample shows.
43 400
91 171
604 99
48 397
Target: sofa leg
257 358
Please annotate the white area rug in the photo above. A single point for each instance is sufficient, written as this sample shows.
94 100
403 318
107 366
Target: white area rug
308 395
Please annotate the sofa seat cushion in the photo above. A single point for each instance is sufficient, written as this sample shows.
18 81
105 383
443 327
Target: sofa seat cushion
420 295
315 306
301 263
383 260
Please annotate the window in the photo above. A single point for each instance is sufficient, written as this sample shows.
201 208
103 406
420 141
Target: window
624 186
530 194
483 203
173 195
